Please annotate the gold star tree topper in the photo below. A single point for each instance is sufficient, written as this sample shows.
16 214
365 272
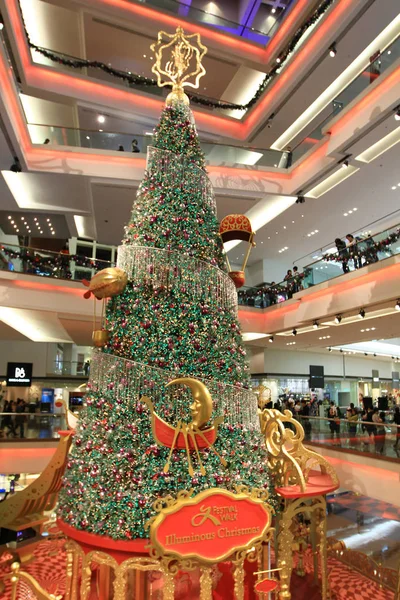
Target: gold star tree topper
177 61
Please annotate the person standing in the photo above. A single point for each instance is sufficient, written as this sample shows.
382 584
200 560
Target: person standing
396 421
20 418
135 147
352 417
334 423
354 246
379 430
343 254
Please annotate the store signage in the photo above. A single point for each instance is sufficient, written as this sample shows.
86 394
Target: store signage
19 374
210 527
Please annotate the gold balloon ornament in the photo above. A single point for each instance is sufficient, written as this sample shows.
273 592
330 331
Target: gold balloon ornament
105 284
177 60
237 227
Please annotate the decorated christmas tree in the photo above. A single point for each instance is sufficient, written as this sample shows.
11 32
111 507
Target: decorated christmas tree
175 320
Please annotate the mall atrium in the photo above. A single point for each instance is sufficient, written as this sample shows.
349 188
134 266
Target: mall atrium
200 299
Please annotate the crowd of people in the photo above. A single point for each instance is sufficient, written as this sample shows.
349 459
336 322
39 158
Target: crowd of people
356 249
13 419
273 293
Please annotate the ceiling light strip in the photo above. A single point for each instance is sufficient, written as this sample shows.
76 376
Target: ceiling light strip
381 146
331 181
384 39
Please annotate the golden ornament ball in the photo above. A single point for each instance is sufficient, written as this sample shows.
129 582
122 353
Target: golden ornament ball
100 337
107 283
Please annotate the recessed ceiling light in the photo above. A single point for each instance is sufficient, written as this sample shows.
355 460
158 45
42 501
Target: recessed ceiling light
100 130
48 220
355 208
284 227
273 10
101 119
144 56
53 233
35 219
302 215
17 230
345 214
9 216
278 60
88 137
292 221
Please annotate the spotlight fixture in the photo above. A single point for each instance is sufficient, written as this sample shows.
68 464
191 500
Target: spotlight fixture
374 355
315 325
397 114
329 349
16 166
333 50
338 319
345 164
270 119
397 307
300 199
294 332
365 353
278 60
361 314
271 339
341 350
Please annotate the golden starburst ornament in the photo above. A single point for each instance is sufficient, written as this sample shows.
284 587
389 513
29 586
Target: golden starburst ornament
178 63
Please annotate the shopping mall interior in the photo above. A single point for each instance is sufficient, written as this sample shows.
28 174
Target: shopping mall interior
191 408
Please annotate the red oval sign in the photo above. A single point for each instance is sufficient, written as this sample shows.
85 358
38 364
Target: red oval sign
210 527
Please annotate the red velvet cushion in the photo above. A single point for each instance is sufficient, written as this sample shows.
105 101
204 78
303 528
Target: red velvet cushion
318 485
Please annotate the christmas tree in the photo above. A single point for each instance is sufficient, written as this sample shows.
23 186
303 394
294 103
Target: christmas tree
176 318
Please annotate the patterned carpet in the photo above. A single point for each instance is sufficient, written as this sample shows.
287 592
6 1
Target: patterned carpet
47 565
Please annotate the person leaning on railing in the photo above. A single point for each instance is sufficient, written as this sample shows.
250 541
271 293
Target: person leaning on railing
396 421
352 418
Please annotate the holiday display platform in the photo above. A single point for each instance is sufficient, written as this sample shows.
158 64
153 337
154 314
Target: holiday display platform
168 470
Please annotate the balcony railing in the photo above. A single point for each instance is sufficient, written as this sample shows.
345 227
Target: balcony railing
369 250
364 437
362 253
216 154
381 62
67 367
33 261
31 426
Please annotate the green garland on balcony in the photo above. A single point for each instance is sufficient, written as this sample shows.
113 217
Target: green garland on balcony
282 58
358 251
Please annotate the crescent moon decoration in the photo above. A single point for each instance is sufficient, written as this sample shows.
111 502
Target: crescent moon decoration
202 406
189 436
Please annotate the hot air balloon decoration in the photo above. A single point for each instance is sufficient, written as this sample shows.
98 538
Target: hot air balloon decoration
237 227
104 284
190 436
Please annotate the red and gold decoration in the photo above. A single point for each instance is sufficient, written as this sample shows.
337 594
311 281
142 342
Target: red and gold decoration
237 227
193 436
210 527
104 284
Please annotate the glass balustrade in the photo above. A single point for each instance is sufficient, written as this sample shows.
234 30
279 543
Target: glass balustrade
368 251
67 367
216 154
33 261
382 439
254 34
361 436
31 426
271 294
378 65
